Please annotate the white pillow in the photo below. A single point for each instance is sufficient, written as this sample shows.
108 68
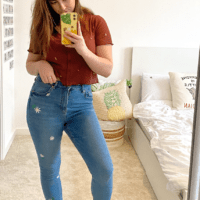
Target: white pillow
155 87
183 87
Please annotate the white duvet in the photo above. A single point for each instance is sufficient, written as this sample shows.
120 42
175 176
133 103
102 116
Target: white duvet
171 135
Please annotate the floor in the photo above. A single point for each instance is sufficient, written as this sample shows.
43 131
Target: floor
20 173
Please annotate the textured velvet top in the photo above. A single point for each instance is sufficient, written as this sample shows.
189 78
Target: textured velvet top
68 65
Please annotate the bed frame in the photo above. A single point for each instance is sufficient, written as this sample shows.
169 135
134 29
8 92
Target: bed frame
156 60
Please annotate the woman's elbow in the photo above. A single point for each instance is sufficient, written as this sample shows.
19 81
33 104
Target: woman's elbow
109 71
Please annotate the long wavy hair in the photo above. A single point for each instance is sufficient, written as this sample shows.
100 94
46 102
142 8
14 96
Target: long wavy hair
44 21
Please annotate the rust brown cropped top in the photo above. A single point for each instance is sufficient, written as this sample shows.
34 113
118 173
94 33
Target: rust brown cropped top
68 65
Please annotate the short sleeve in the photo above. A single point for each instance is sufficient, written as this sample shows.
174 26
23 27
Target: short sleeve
102 33
31 48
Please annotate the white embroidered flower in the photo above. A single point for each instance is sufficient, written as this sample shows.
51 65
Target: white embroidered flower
51 138
37 110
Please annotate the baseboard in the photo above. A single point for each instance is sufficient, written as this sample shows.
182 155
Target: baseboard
7 146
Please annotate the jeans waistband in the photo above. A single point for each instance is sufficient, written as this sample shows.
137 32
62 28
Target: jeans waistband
59 84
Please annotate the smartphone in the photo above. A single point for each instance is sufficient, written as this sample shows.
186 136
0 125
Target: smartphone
69 23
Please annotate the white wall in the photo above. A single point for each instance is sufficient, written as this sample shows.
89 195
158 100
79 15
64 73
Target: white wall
7 101
166 23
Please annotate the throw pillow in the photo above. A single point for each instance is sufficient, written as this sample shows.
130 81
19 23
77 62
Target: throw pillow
113 104
183 87
155 87
103 84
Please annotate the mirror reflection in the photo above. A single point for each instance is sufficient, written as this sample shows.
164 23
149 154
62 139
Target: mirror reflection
111 98
164 97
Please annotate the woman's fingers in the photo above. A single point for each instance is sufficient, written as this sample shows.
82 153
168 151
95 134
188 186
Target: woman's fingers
47 79
52 79
47 73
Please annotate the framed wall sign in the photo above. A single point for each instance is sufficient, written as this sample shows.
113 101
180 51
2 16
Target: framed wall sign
7 32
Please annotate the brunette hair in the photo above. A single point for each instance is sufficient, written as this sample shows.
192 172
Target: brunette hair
44 20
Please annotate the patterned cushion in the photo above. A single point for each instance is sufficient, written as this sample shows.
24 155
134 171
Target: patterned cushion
103 84
112 103
183 87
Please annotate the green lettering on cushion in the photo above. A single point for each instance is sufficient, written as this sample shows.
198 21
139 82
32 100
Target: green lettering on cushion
112 99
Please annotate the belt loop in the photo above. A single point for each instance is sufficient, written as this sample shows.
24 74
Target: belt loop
37 77
89 87
69 87
56 83
83 88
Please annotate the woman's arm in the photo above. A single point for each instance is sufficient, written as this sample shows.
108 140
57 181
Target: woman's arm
102 63
37 64
32 63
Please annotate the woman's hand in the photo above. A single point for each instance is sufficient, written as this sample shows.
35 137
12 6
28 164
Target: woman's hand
46 71
78 40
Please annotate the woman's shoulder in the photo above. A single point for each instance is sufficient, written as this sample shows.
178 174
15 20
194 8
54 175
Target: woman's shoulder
94 19
92 16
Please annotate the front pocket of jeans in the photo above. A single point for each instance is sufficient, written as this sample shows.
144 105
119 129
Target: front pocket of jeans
41 89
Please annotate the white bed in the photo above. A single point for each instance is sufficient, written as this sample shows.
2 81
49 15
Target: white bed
156 60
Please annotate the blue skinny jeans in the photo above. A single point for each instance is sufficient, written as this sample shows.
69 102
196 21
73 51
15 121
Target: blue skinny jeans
52 108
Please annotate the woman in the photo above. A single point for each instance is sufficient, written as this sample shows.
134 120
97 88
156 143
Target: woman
61 97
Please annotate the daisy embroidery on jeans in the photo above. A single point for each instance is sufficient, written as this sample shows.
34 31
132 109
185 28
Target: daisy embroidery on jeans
37 110
51 138
41 156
